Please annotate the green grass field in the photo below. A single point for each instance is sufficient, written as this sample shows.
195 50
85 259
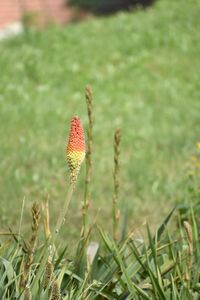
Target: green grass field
144 69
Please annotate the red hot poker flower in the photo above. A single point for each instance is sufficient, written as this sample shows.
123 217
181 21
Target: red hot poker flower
76 148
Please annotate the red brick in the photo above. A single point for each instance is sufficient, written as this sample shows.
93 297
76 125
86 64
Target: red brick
54 10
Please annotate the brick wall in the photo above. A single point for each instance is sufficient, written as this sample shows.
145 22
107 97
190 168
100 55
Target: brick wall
11 11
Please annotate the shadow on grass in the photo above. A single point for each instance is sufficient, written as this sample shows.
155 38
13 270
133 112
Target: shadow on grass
105 7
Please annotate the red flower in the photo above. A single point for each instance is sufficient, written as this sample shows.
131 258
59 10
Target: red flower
76 148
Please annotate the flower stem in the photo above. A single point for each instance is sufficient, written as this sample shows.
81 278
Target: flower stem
86 201
116 212
63 213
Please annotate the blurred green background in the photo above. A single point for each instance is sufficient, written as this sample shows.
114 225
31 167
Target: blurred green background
144 70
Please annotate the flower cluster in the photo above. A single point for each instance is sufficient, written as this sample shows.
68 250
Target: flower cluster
75 148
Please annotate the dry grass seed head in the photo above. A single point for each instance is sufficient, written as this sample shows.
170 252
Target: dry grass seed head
27 293
48 273
56 294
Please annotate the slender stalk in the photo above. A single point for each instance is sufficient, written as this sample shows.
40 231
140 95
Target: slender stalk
9 233
51 239
21 216
116 212
61 218
32 245
189 233
46 219
86 202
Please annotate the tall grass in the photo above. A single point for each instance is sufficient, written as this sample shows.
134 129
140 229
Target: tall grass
116 211
87 196
160 265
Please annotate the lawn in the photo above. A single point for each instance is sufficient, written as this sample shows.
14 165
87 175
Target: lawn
144 70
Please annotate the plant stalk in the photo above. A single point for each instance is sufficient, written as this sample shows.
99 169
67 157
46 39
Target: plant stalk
86 202
61 218
116 211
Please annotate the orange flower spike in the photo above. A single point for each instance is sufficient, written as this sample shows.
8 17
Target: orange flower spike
76 148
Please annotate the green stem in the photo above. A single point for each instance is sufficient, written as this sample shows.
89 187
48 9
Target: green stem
114 217
51 241
117 139
61 218
86 201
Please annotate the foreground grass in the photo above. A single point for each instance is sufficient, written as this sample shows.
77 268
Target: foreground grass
167 266
144 68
